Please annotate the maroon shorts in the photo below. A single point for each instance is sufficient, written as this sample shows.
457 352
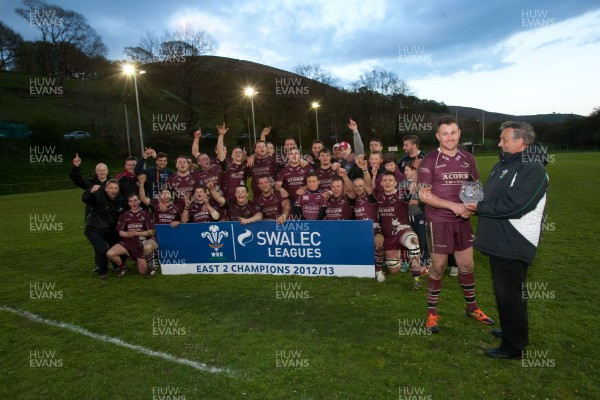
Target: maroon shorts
395 242
134 247
448 237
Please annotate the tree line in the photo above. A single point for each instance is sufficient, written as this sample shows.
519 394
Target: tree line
69 47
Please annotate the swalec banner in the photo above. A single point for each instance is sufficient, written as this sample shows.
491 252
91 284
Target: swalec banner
308 248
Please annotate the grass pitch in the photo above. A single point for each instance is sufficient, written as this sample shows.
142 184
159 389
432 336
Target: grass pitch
335 338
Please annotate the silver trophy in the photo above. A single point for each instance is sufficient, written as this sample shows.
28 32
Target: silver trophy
471 192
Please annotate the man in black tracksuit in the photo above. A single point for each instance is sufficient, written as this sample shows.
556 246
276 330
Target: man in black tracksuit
509 228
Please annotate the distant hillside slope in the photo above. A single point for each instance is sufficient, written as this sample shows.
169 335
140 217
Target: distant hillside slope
470 112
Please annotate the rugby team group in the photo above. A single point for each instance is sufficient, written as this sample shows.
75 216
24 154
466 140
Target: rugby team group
419 222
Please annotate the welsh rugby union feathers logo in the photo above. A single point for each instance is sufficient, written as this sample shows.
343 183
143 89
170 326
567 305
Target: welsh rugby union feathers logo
214 236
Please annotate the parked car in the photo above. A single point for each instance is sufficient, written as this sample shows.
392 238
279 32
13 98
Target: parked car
77 135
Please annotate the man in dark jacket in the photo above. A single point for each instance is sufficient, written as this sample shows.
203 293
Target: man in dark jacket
106 205
157 174
127 179
509 228
78 179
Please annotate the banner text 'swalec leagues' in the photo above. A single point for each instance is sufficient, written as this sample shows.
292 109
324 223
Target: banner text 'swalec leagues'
309 248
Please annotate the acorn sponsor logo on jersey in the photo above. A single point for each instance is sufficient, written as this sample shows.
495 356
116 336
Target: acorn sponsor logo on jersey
333 211
455 176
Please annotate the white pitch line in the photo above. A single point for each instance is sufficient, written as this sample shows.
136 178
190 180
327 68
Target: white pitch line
165 356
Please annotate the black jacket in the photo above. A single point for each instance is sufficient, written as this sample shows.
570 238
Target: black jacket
83 182
156 178
105 211
511 213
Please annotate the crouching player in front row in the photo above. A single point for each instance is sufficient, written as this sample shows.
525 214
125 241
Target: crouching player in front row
397 233
164 211
135 227
365 207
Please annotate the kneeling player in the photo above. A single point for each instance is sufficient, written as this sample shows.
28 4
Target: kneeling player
397 233
163 212
311 205
365 207
134 227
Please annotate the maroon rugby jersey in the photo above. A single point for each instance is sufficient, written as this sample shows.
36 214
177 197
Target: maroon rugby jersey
172 213
235 175
181 186
198 214
446 175
338 208
236 211
325 175
270 205
399 175
393 211
213 175
134 222
365 207
310 203
215 163
282 159
262 166
293 178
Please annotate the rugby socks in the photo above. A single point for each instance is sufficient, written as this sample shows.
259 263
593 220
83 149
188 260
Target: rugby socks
150 260
467 282
379 257
434 287
415 269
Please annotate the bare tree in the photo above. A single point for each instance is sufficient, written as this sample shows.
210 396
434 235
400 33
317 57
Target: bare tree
317 73
176 54
382 81
9 43
63 33
172 47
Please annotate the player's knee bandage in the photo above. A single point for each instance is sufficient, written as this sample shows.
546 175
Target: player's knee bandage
392 262
411 242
